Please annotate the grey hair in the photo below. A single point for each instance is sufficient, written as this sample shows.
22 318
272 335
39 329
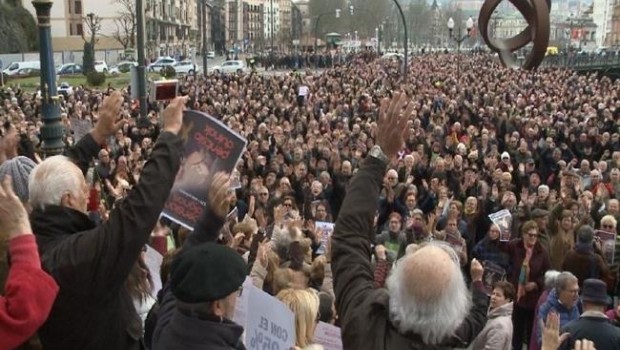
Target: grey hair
563 279
432 320
51 180
551 277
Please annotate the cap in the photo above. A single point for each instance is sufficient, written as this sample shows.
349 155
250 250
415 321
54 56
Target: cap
19 169
539 213
206 273
595 291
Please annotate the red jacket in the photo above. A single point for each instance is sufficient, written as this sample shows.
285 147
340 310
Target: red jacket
29 294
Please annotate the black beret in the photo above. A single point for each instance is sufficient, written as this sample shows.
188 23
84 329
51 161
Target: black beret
206 273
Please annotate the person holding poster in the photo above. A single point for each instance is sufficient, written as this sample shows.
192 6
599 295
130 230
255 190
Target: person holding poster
441 312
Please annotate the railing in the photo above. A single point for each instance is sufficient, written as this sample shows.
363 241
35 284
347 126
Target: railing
583 61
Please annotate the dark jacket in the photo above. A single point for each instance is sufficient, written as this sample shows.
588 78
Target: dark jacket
539 264
364 310
91 263
189 333
584 263
596 328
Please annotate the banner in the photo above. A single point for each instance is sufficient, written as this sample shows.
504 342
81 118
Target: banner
269 324
608 244
328 336
503 220
210 147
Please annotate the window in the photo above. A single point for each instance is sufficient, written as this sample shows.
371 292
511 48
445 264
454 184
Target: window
78 7
69 6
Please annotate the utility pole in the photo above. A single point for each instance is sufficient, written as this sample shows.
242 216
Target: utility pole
141 70
271 21
203 15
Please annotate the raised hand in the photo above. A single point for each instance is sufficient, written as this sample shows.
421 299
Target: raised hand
219 200
393 124
173 115
107 124
13 216
551 338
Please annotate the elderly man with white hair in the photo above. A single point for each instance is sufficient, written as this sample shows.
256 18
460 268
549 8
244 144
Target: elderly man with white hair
91 263
427 304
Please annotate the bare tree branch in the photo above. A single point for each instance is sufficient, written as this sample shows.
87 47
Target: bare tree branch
126 23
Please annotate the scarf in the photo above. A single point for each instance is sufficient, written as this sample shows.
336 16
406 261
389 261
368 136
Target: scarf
524 275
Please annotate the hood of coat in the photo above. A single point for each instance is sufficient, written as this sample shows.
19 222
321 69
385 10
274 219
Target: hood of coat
504 310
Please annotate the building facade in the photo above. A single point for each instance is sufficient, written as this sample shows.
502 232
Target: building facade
613 38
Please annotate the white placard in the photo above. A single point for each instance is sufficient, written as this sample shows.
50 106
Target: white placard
328 335
153 261
270 323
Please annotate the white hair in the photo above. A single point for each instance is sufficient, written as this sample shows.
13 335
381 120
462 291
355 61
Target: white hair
51 180
433 320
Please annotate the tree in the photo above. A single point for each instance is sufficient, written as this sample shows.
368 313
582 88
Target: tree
93 24
126 23
419 22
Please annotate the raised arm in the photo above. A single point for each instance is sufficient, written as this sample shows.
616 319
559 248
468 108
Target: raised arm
88 147
353 275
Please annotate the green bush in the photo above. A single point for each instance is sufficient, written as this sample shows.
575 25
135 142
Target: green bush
168 72
94 78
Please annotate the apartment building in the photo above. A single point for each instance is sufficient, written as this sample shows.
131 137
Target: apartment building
171 27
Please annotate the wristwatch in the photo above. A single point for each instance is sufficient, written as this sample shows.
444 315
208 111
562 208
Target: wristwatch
377 152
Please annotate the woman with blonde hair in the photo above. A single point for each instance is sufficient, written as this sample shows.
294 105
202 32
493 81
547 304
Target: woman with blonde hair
305 305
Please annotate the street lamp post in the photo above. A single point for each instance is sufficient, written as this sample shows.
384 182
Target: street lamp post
469 24
406 39
203 15
52 130
141 69
271 21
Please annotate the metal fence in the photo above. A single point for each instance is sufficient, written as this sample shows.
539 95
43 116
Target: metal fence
109 56
587 61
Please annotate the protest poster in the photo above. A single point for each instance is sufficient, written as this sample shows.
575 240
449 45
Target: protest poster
241 307
269 323
210 147
608 244
503 220
324 230
492 274
328 336
80 128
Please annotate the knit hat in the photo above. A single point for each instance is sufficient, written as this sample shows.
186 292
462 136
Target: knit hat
206 273
19 169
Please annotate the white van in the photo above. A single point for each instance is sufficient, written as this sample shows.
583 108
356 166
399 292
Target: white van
15 67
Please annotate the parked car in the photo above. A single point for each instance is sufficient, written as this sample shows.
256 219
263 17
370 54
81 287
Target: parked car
160 63
101 67
65 89
232 66
69 69
15 67
186 67
122 67
211 54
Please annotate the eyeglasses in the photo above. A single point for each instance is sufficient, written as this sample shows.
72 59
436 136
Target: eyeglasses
532 235
607 226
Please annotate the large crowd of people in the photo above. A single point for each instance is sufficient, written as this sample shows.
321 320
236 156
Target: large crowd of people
407 168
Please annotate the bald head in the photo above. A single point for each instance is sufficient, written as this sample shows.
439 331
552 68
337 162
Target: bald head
431 264
428 295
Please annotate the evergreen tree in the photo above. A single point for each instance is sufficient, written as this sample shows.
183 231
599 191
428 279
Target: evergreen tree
88 60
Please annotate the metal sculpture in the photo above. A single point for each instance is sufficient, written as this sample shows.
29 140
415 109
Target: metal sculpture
536 13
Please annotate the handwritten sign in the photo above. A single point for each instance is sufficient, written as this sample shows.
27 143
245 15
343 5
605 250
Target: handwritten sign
270 323
328 336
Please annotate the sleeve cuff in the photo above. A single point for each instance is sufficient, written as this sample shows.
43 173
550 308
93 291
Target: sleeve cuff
23 250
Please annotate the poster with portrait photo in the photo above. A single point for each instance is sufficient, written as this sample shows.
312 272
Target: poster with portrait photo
608 244
456 242
503 220
493 273
325 229
210 147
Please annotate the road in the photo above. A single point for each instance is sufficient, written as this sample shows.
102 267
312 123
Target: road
218 60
